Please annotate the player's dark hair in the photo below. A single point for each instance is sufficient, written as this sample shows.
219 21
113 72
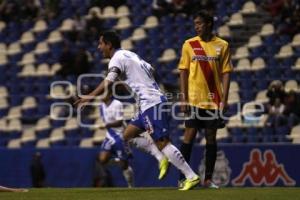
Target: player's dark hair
113 38
206 16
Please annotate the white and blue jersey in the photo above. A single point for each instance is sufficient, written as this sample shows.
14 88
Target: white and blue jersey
137 74
112 113
113 141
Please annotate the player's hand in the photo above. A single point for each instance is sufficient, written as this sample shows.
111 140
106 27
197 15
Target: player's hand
80 102
223 106
102 126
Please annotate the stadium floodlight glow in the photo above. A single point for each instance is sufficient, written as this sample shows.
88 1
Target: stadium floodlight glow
61 83
56 105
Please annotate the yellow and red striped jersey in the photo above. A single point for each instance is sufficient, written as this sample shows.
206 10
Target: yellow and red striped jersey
206 62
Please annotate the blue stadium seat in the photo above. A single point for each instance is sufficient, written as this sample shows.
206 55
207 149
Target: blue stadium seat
261 84
225 140
57 123
29 144
3 142
257 52
247 94
109 23
71 142
14 134
282 130
15 99
238 139
53 24
267 138
3 112
59 143
41 36
30 114
28 47
126 33
252 139
41 134
267 130
176 27
72 133
86 133
138 20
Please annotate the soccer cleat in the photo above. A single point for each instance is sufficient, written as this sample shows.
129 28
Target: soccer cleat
181 183
190 183
210 184
163 168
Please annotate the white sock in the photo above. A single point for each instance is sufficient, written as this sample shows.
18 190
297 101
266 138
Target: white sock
128 175
176 158
147 145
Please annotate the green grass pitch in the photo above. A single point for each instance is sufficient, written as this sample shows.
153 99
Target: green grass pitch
263 193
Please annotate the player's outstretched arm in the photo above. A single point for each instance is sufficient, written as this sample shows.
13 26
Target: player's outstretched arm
103 87
117 123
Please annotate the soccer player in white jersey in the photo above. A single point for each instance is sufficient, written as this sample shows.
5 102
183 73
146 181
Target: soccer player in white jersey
137 74
111 112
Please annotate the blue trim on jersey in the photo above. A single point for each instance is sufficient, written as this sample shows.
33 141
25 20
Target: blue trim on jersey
155 85
113 134
101 109
118 148
105 146
163 98
138 122
146 70
116 145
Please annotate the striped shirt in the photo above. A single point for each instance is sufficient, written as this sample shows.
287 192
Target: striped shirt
206 62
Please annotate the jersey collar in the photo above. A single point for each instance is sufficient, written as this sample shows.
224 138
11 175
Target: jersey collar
212 39
116 51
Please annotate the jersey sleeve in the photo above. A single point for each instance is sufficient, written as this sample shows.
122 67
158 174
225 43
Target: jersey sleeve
119 113
226 64
185 59
116 62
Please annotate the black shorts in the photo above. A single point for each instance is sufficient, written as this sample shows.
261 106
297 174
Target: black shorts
204 118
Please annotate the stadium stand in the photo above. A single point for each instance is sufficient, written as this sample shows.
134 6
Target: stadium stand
30 61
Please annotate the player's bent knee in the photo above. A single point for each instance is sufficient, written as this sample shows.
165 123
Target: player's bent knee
104 157
103 161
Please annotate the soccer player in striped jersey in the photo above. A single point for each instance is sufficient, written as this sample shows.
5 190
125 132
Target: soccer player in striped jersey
137 74
205 68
